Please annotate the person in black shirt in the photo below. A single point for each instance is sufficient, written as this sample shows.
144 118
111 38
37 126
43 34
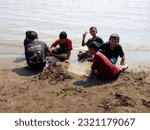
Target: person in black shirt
93 31
35 52
99 41
112 49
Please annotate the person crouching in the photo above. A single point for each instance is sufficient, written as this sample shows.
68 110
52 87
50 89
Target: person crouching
35 52
63 51
102 66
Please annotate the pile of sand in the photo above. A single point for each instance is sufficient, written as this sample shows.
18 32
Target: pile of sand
56 72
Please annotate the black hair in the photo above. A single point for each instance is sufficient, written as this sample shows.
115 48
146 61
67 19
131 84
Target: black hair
93 45
114 36
27 33
32 35
93 28
63 35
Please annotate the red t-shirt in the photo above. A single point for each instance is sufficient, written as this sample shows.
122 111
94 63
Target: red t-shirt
105 69
67 46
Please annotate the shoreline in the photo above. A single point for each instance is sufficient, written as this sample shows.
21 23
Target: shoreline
127 46
134 59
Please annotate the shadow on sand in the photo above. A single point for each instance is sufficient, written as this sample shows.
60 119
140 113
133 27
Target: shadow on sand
90 82
19 59
24 71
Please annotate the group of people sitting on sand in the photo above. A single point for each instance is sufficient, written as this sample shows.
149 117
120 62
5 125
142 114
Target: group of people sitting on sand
103 55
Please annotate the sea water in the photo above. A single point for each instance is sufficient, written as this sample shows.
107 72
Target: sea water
128 18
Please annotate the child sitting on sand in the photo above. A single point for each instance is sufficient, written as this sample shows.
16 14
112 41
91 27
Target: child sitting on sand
102 67
85 55
62 52
112 49
35 52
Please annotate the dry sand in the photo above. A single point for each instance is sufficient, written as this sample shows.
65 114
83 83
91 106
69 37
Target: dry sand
57 90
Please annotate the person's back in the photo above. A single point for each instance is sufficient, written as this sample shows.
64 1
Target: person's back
35 52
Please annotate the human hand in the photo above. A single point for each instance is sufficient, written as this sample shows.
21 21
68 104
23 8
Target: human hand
85 33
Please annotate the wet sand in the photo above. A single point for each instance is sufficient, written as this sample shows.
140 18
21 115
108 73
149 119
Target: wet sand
24 90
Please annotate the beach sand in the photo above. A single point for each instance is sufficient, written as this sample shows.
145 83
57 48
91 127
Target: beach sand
24 90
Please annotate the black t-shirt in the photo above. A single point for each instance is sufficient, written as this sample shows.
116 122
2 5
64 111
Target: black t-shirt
98 40
25 42
106 50
35 52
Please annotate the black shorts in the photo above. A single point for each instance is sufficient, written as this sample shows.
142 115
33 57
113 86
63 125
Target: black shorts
58 51
84 56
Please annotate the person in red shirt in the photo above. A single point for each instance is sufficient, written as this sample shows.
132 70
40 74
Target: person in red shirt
102 67
62 52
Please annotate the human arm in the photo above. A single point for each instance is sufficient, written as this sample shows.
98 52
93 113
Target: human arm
122 62
52 46
68 55
55 44
83 38
94 67
69 49
122 55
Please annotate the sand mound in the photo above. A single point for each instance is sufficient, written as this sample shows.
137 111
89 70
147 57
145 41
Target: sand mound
55 72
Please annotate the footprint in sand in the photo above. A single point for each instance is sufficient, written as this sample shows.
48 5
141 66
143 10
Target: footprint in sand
146 103
125 100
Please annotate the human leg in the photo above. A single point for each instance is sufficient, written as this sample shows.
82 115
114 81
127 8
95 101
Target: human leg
84 56
58 53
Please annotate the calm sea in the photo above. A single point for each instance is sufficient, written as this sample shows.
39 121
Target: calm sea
129 18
